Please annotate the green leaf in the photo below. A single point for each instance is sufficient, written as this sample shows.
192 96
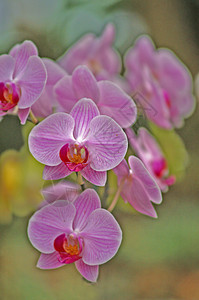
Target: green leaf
173 148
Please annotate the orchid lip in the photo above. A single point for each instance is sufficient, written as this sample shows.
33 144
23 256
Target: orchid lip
9 96
68 248
74 156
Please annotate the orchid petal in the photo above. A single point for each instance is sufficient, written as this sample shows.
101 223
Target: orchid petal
116 104
48 223
88 272
107 143
134 192
49 261
23 115
95 177
122 170
146 179
63 190
56 172
6 67
85 84
47 138
54 71
85 204
83 112
102 237
64 93
21 53
77 54
31 81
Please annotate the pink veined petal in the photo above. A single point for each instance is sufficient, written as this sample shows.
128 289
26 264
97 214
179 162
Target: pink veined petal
6 67
64 93
77 54
149 143
56 172
88 272
54 71
31 81
48 223
108 36
49 261
102 237
110 61
85 84
83 112
21 53
47 138
23 114
43 107
148 182
171 70
122 170
95 177
116 104
63 190
106 142
134 192
85 204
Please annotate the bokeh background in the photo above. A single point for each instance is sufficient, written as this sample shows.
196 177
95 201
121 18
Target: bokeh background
158 259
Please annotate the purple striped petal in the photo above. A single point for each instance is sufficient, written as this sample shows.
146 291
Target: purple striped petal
95 177
85 204
54 71
77 54
63 190
65 94
122 170
48 223
31 81
47 138
56 172
6 67
49 261
107 143
21 53
85 84
88 272
116 104
134 192
144 176
102 237
83 112
23 114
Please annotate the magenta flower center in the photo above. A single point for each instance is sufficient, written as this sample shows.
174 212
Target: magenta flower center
9 96
69 249
74 156
159 167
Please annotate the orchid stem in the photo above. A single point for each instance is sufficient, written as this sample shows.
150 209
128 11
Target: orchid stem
33 119
115 199
80 180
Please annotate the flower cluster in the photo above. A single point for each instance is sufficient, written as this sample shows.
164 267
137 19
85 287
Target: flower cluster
84 110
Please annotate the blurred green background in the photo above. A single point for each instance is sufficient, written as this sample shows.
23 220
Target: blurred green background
158 259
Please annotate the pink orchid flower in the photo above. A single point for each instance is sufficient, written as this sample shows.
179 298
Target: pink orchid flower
96 53
82 141
160 82
46 103
80 232
137 186
109 98
22 79
148 150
